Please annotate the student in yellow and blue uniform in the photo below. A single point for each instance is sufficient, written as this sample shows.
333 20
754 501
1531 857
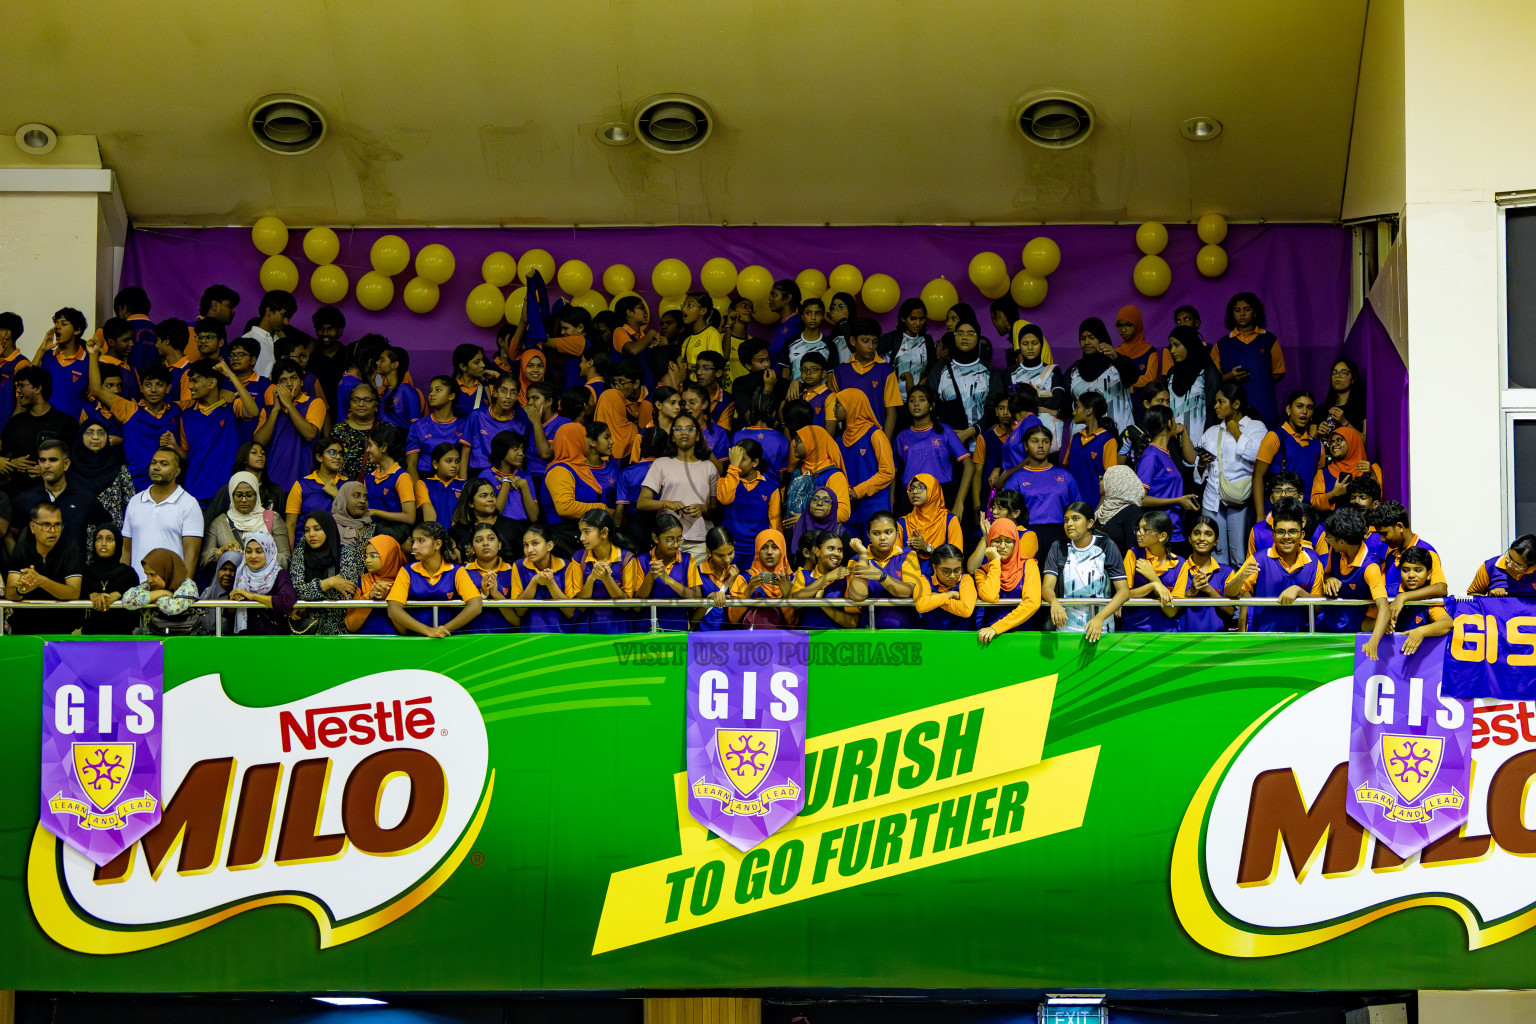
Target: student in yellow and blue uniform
1390 522
665 571
1152 570
1007 572
1289 448
540 576
1287 570
944 593
1352 573
145 422
826 578
596 571
1512 574
885 570
493 577
391 498
750 499
432 578
1415 565
717 573
208 427
438 495
1204 577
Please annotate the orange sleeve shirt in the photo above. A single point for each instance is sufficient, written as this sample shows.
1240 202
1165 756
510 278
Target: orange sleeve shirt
885 470
1029 604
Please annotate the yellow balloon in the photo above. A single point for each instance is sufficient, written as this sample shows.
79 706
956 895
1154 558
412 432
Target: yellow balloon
514 308
762 314
420 295
987 271
722 304
499 269
998 290
624 295
754 283
1212 229
574 278
592 301
1152 238
718 276
321 246
279 274
811 282
390 255
846 278
328 284
881 293
1211 260
938 296
485 305
536 259
374 290
826 300
671 278
618 279
1028 289
435 263
669 303
1152 276
269 235
1041 256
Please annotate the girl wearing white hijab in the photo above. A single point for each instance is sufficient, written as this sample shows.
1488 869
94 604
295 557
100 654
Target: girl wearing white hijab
261 579
246 516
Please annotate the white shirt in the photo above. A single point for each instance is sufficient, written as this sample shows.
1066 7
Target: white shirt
1237 457
268 354
152 524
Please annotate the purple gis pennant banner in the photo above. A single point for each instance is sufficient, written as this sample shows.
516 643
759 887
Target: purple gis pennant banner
1492 649
746 732
102 705
1410 748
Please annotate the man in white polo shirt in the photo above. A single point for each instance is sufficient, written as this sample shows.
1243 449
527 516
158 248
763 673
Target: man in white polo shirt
162 516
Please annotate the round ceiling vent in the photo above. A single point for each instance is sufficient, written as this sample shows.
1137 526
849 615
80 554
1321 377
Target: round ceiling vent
289 125
673 123
1055 121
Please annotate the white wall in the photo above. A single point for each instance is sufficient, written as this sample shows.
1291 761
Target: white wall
49 250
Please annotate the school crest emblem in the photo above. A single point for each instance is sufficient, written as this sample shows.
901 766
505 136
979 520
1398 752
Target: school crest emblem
747 755
1412 763
103 769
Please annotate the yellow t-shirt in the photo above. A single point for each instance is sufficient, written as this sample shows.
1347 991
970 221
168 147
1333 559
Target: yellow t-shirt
707 340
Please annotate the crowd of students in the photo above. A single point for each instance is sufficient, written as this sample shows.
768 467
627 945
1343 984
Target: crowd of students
155 463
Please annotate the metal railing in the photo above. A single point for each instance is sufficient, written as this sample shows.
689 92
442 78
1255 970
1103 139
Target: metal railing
656 605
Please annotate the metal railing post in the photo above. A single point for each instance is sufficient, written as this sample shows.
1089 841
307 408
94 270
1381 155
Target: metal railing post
871 617
434 616
655 623
218 622
1311 618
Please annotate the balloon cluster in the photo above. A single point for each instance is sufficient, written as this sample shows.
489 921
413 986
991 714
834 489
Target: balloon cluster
1040 257
1152 275
1211 260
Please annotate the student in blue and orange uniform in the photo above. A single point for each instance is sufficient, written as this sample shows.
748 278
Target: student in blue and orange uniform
383 561
401 402
391 497
1289 448
1153 570
493 576
1512 574
815 454
884 570
760 417
148 424
11 360
98 412
1155 468
867 460
468 371
812 386
291 427
634 525
827 578
432 578
1281 486
1093 449
63 355
1007 572
546 412
1389 520
117 338
572 486
515 496
717 574
766 579
441 425
928 446
866 370
944 594
1345 460
438 495
170 338
929 526
988 457
709 371
1251 356
540 576
752 502
1287 570
1425 621
1047 489
1135 346
207 343
208 427
596 572
1204 577
594 366
665 571
317 491
716 438
502 412
1351 573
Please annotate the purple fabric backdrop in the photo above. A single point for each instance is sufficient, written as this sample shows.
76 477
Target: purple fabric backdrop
1386 410
1301 271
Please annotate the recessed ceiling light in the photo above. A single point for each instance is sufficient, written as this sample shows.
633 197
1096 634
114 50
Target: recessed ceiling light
349 1000
1200 129
616 133
36 139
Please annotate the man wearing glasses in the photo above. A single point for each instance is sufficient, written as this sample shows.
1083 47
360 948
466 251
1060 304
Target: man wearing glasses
78 507
46 568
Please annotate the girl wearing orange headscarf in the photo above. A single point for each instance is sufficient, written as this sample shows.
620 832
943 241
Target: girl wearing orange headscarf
1135 347
382 560
1346 461
1007 572
822 460
576 482
530 370
929 525
767 580
869 463
625 413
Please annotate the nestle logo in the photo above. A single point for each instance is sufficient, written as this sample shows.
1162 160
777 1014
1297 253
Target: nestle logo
358 724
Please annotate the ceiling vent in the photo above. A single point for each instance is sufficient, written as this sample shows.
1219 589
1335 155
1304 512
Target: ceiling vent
1055 120
289 125
673 123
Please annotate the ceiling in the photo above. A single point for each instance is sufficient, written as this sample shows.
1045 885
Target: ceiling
842 111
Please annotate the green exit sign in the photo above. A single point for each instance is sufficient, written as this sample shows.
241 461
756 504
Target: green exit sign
1060 1014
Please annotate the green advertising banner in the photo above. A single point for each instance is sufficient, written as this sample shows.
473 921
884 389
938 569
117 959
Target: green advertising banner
510 813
